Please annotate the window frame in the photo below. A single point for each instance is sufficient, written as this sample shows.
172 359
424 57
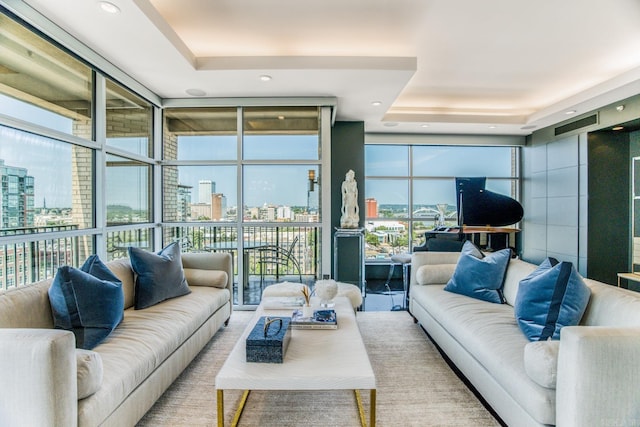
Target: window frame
411 178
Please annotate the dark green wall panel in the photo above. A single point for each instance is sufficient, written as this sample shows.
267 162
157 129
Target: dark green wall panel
347 152
609 216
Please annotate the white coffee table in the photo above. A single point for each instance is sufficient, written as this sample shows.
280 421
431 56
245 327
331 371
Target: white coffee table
315 360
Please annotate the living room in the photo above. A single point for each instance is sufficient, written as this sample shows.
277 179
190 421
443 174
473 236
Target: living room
108 153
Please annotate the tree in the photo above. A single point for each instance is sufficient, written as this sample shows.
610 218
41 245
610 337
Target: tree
372 239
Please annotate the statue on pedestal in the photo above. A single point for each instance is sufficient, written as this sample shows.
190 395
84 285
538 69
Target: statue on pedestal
350 210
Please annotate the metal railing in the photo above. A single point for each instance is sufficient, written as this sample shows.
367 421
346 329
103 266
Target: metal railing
119 242
28 261
217 238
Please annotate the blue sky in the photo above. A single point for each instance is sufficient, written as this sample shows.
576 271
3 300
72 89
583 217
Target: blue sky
49 162
46 160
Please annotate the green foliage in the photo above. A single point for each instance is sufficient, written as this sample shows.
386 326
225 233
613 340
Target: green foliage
372 239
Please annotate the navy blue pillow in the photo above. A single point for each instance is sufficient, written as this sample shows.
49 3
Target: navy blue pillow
159 276
480 277
88 301
552 296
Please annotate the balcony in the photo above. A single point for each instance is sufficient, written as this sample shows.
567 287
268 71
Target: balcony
259 268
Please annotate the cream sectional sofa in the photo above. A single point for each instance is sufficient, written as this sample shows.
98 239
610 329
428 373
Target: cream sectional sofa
590 377
47 382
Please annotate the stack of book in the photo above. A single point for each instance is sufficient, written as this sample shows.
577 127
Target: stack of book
321 319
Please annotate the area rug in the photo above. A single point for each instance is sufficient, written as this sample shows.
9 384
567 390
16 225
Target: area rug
415 386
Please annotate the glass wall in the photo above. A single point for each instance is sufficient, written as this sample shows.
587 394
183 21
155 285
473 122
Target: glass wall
47 158
411 189
55 199
244 171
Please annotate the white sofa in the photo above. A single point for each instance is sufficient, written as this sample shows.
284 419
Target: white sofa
42 375
590 377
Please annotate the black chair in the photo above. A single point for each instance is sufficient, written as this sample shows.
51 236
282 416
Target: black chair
282 259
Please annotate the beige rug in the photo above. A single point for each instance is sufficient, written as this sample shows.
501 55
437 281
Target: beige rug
415 386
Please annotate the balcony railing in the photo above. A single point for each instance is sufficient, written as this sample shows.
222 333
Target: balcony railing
119 242
194 238
27 262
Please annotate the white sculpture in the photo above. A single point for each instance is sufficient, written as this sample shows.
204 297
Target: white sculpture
350 210
327 291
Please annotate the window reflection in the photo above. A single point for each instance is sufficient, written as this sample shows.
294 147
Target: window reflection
49 83
129 121
281 133
128 184
200 134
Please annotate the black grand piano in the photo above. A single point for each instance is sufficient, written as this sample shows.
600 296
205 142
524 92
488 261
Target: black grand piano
480 212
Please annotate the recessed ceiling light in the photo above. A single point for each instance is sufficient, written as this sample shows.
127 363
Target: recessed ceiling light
620 108
196 92
376 103
492 126
109 7
570 112
265 78
281 117
424 126
617 128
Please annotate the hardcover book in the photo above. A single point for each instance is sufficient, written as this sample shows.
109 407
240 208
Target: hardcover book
321 319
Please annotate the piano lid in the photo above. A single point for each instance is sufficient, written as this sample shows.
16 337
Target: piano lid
477 206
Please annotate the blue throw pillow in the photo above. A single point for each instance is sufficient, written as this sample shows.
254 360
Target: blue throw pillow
480 277
159 276
88 301
552 296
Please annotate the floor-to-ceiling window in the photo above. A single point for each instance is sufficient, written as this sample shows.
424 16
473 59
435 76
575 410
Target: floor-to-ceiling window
410 189
76 160
46 120
239 180
80 158
128 179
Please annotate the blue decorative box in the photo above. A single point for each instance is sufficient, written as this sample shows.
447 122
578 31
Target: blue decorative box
268 340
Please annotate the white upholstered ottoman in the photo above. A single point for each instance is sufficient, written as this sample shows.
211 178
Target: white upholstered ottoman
289 289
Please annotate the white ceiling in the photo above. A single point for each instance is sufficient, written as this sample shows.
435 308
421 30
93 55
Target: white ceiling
436 66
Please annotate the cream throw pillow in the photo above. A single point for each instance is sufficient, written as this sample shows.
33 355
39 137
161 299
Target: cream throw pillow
89 372
541 362
199 277
435 274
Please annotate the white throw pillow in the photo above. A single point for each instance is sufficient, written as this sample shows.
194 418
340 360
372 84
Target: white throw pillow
541 362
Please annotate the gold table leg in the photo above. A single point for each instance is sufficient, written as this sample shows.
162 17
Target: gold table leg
238 414
372 408
243 401
245 396
220 395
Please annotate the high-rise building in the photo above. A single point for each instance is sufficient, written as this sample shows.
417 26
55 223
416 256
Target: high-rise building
371 207
218 206
284 213
16 197
184 202
205 189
